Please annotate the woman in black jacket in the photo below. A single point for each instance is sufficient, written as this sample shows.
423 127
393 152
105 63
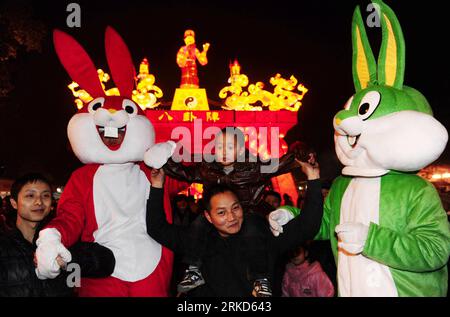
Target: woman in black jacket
32 198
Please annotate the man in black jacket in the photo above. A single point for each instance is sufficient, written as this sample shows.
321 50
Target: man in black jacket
247 175
228 250
32 198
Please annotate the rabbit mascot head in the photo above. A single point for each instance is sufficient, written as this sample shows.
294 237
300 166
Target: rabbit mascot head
110 129
385 125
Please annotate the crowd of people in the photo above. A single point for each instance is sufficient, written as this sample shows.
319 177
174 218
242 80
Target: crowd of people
222 243
386 226
212 257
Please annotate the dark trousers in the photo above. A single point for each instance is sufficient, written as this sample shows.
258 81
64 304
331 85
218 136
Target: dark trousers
198 231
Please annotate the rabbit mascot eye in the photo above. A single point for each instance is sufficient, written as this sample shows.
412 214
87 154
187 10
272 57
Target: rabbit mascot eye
388 230
105 200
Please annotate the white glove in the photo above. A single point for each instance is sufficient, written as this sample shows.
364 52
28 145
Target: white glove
352 236
159 153
277 219
49 247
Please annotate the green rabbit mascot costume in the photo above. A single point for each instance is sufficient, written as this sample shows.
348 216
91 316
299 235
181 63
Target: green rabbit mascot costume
388 230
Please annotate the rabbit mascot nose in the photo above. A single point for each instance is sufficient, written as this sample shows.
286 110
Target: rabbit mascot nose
105 200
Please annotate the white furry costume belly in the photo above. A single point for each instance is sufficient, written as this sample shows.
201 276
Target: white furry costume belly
120 196
357 275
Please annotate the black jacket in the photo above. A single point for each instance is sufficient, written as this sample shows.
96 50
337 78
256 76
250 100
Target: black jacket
225 265
17 269
246 178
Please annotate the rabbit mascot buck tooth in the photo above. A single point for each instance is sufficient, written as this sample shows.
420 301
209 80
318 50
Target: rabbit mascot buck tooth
388 230
105 200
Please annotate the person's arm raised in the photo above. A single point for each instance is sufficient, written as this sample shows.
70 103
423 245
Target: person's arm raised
158 228
305 226
181 172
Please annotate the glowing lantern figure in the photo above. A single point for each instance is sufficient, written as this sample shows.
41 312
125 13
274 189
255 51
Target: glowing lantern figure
83 96
189 96
146 93
195 190
186 57
283 97
237 81
239 99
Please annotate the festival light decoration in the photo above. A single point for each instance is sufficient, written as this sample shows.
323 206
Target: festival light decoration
145 95
283 97
190 102
147 92
189 96
241 100
195 190
186 59
83 97
436 174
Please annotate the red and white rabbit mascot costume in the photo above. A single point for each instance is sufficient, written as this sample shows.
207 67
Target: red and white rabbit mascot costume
105 200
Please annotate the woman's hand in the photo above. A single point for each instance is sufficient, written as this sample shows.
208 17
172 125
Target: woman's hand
157 178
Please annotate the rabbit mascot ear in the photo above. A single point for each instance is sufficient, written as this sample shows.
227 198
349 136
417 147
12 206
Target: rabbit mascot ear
391 60
110 129
77 63
120 62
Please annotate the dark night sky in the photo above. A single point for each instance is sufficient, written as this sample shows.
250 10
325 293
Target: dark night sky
308 39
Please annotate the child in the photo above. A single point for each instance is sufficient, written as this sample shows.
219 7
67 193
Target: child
231 167
304 277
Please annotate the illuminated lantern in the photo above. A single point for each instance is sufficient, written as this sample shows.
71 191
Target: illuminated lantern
189 96
253 108
238 100
146 92
283 97
83 97
186 60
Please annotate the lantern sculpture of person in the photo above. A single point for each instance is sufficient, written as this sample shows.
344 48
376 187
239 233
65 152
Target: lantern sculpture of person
186 60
